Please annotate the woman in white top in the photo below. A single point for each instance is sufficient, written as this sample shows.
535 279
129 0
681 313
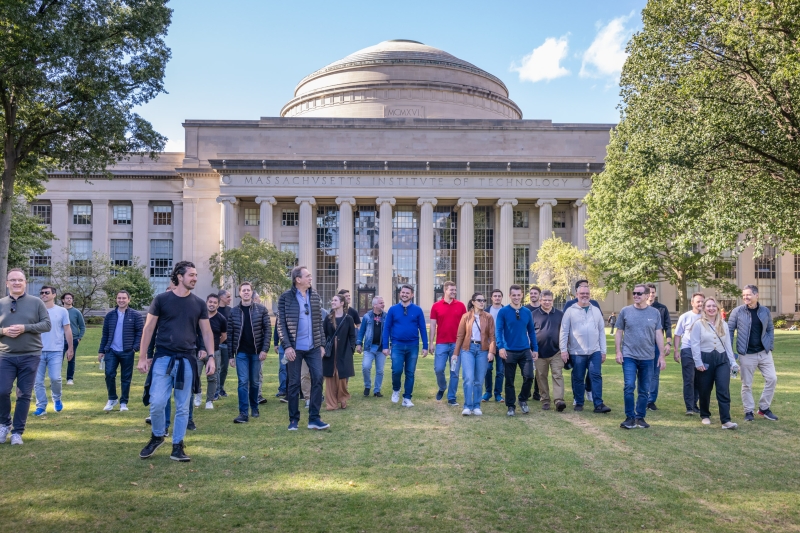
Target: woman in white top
713 361
475 345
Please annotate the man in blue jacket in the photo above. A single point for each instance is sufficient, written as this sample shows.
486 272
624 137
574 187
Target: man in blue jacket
122 333
405 323
516 345
369 339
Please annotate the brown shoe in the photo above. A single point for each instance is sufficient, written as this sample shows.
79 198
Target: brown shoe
545 407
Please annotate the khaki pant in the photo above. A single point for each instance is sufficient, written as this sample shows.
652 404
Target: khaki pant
305 381
543 367
336 392
763 362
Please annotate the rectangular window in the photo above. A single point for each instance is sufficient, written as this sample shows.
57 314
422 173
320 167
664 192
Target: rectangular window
252 217
80 250
82 214
121 252
365 230
122 215
765 267
522 266
405 244
484 250
290 217
293 247
43 211
445 244
39 265
727 267
521 218
160 263
162 215
327 279
559 219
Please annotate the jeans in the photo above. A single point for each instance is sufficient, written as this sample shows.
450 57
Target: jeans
71 363
50 361
441 361
213 379
524 360
631 370
653 395
125 361
717 373
313 359
473 366
592 363
374 353
498 380
764 363
223 367
248 368
404 358
690 395
23 369
161 386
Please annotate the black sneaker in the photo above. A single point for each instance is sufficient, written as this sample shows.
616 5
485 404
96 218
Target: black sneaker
255 414
602 408
284 399
690 412
536 397
152 446
769 415
261 400
524 407
511 411
223 394
560 406
147 421
241 419
439 396
652 407
281 395
378 395
366 392
190 426
452 403
178 453
577 408
640 423
629 423
748 417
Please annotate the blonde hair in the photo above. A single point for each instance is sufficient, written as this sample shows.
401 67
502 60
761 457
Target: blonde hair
716 323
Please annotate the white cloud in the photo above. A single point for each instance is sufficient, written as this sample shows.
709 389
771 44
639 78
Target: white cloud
544 62
176 145
606 55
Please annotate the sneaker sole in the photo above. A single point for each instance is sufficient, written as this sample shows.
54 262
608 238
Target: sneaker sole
318 428
152 454
731 427
765 417
180 459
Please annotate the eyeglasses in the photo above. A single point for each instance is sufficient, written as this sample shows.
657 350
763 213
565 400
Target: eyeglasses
517 314
480 300
638 293
306 306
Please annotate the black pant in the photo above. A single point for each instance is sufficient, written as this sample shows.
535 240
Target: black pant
718 372
71 363
223 366
23 369
313 359
524 360
690 394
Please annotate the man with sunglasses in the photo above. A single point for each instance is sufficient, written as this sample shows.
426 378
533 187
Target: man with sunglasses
405 323
516 345
52 352
23 319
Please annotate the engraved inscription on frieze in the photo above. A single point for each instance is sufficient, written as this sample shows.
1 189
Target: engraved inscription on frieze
404 111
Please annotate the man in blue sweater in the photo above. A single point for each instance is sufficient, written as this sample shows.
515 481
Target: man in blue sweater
405 323
516 344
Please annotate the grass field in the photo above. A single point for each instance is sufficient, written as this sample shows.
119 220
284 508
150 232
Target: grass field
386 468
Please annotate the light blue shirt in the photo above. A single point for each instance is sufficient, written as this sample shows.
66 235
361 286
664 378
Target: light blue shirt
305 339
53 340
116 342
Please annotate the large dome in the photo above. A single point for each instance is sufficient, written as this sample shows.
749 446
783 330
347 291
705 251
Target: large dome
401 79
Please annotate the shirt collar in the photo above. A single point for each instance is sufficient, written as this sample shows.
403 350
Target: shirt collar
21 296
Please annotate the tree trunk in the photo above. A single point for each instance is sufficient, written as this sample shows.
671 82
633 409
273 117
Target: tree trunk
683 297
7 202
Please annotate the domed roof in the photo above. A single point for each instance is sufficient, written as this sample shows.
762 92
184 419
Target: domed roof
401 79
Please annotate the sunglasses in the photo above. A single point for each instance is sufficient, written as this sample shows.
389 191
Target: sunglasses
638 293
517 314
405 310
481 300
13 306
306 306
45 293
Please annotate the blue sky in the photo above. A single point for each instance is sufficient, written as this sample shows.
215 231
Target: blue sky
242 59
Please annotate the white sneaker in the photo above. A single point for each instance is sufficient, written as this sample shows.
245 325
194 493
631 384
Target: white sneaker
209 405
198 399
574 402
70 382
407 403
4 431
589 397
396 397
123 407
16 439
110 405
466 412
308 402
477 412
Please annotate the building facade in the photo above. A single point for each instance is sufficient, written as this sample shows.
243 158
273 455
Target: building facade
397 164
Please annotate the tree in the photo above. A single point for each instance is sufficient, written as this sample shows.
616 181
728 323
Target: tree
71 74
258 262
85 278
27 234
133 279
560 264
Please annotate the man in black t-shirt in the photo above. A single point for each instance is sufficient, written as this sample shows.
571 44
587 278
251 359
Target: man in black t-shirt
350 311
177 315
225 310
219 328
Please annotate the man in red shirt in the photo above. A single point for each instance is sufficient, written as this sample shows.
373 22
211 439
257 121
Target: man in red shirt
445 316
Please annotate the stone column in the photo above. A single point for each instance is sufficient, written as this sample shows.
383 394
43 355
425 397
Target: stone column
466 247
385 271
346 245
141 231
177 232
504 247
228 221
545 206
426 253
100 226
308 237
265 218
580 225
59 218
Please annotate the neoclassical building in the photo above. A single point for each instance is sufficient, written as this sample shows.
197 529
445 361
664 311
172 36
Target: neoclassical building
399 163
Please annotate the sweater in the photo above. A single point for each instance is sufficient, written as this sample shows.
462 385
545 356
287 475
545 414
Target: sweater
404 326
548 331
582 332
706 340
30 312
515 335
76 323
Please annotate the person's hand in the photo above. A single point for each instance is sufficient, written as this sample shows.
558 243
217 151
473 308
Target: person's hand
100 357
503 354
491 357
619 358
322 351
677 357
290 354
262 356
232 362
667 349
700 368
424 352
386 352
602 358
662 363
211 367
358 348
535 355
203 355
144 365
15 331
565 357
70 354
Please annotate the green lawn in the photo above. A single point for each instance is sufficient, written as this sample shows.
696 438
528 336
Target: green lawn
385 468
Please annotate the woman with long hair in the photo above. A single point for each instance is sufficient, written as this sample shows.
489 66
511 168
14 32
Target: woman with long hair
475 345
337 365
713 361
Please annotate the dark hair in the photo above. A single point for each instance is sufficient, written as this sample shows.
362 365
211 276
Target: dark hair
52 289
180 270
535 288
407 286
242 284
297 272
514 287
547 292
343 291
579 283
222 293
497 290
212 295
698 294
650 286
642 285
65 295
123 291
470 305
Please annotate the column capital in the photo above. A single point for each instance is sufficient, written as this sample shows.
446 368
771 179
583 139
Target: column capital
579 203
546 201
230 199
507 201
463 201
305 200
385 200
422 201
266 199
342 200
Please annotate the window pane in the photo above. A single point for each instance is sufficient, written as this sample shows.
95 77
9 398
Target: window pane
327 278
365 229
290 217
80 250
122 214
251 217
162 215
160 263
405 243
293 247
765 267
82 214
521 219
484 249
121 252
42 211
559 219
445 253
522 266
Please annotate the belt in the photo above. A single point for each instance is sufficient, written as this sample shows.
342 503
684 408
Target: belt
474 342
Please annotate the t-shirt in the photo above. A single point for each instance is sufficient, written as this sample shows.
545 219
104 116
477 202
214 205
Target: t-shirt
493 311
247 343
531 308
377 328
754 344
354 315
639 327
225 311
447 317
53 340
219 325
177 321
684 328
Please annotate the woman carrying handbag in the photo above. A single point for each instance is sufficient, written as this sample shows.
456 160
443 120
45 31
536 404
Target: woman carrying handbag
337 365
475 345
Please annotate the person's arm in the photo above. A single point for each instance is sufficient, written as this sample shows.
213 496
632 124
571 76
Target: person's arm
666 323
500 341
387 328
43 325
491 338
433 332
351 333
563 336
208 340
147 334
461 335
138 326
68 335
532 337
726 343
423 331
101 351
770 334
362 329
696 335
731 324
81 325
662 363
320 318
266 337
601 336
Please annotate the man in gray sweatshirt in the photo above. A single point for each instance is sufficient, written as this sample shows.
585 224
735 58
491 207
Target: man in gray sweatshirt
23 319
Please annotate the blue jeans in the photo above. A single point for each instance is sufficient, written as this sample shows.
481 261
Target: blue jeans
125 361
592 363
50 361
374 353
281 373
654 380
441 361
313 359
248 369
161 386
473 366
498 380
631 370
404 358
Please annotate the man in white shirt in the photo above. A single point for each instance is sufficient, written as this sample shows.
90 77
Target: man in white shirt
52 352
683 352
